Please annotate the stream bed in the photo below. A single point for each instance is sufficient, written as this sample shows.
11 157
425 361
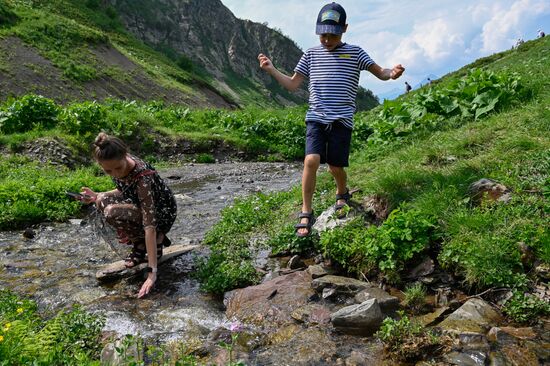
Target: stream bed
57 267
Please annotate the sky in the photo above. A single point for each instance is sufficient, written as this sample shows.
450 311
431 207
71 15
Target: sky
428 37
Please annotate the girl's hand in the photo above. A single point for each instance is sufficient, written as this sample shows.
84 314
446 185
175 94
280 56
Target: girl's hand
147 285
89 196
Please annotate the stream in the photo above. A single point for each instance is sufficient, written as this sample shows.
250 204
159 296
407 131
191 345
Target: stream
57 267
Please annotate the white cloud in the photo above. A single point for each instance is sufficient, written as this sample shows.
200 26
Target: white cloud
508 24
426 36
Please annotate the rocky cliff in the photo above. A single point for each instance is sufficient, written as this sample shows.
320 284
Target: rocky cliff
218 43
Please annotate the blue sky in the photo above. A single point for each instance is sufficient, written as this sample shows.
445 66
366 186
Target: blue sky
426 36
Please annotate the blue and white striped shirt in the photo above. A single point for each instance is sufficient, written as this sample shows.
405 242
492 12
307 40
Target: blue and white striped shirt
333 81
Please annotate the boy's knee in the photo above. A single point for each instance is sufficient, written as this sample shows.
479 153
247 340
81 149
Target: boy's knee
312 161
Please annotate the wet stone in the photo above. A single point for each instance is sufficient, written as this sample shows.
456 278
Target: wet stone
342 286
510 335
474 316
362 319
388 304
425 268
471 358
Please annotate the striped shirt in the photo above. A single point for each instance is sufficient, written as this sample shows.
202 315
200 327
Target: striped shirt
333 81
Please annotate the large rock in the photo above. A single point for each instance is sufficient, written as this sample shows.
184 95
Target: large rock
362 319
489 190
510 335
388 304
475 316
338 287
328 220
272 302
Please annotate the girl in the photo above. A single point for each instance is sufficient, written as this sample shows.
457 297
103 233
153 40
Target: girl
142 208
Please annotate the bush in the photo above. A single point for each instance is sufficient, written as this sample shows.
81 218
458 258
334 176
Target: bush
86 118
7 17
525 308
415 297
230 263
406 340
405 233
69 338
474 96
28 112
288 241
34 192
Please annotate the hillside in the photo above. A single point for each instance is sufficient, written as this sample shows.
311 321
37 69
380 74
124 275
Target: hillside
195 53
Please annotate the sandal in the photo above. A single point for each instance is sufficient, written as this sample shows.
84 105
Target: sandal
301 225
136 256
341 206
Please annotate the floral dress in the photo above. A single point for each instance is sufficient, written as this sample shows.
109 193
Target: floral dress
142 200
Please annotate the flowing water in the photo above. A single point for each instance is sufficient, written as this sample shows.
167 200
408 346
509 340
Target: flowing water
57 267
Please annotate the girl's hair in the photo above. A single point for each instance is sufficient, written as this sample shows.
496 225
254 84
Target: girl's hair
107 147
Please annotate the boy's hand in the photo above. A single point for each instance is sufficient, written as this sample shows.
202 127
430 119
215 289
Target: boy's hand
265 62
397 71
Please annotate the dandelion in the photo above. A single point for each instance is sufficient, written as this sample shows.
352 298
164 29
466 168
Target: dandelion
19 310
1 338
7 327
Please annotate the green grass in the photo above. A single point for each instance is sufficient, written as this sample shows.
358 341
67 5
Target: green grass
31 192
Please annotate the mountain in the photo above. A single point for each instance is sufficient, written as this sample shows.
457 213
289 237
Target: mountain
193 52
391 94
426 81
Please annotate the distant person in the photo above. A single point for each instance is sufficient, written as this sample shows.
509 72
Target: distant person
540 33
142 208
333 70
429 81
519 42
408 87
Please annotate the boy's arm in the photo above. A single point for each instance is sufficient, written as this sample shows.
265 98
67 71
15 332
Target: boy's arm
288 82
386 74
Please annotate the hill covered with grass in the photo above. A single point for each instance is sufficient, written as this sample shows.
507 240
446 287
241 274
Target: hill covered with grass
195 53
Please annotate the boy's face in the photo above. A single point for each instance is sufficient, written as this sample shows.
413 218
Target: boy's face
330 41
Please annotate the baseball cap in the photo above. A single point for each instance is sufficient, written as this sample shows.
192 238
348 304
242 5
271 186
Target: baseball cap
331 19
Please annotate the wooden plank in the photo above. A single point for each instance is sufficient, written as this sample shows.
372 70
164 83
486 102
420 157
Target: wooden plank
118 270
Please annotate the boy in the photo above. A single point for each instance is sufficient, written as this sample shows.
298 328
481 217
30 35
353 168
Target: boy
333 70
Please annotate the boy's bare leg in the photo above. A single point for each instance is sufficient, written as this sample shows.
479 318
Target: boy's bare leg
341 179
309 178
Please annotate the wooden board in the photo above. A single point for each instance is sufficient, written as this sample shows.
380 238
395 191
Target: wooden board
117 269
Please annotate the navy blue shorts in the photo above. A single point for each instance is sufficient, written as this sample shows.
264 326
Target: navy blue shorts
332 142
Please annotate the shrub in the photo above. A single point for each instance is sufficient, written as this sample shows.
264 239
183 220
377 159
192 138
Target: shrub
227 270
34 192
406 340
287 241
525 308
415 297
230 263
28 112
69 338
473 96
405 233
86 118
7 17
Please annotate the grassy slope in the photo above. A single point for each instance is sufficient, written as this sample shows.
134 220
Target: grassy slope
478 243
66 31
